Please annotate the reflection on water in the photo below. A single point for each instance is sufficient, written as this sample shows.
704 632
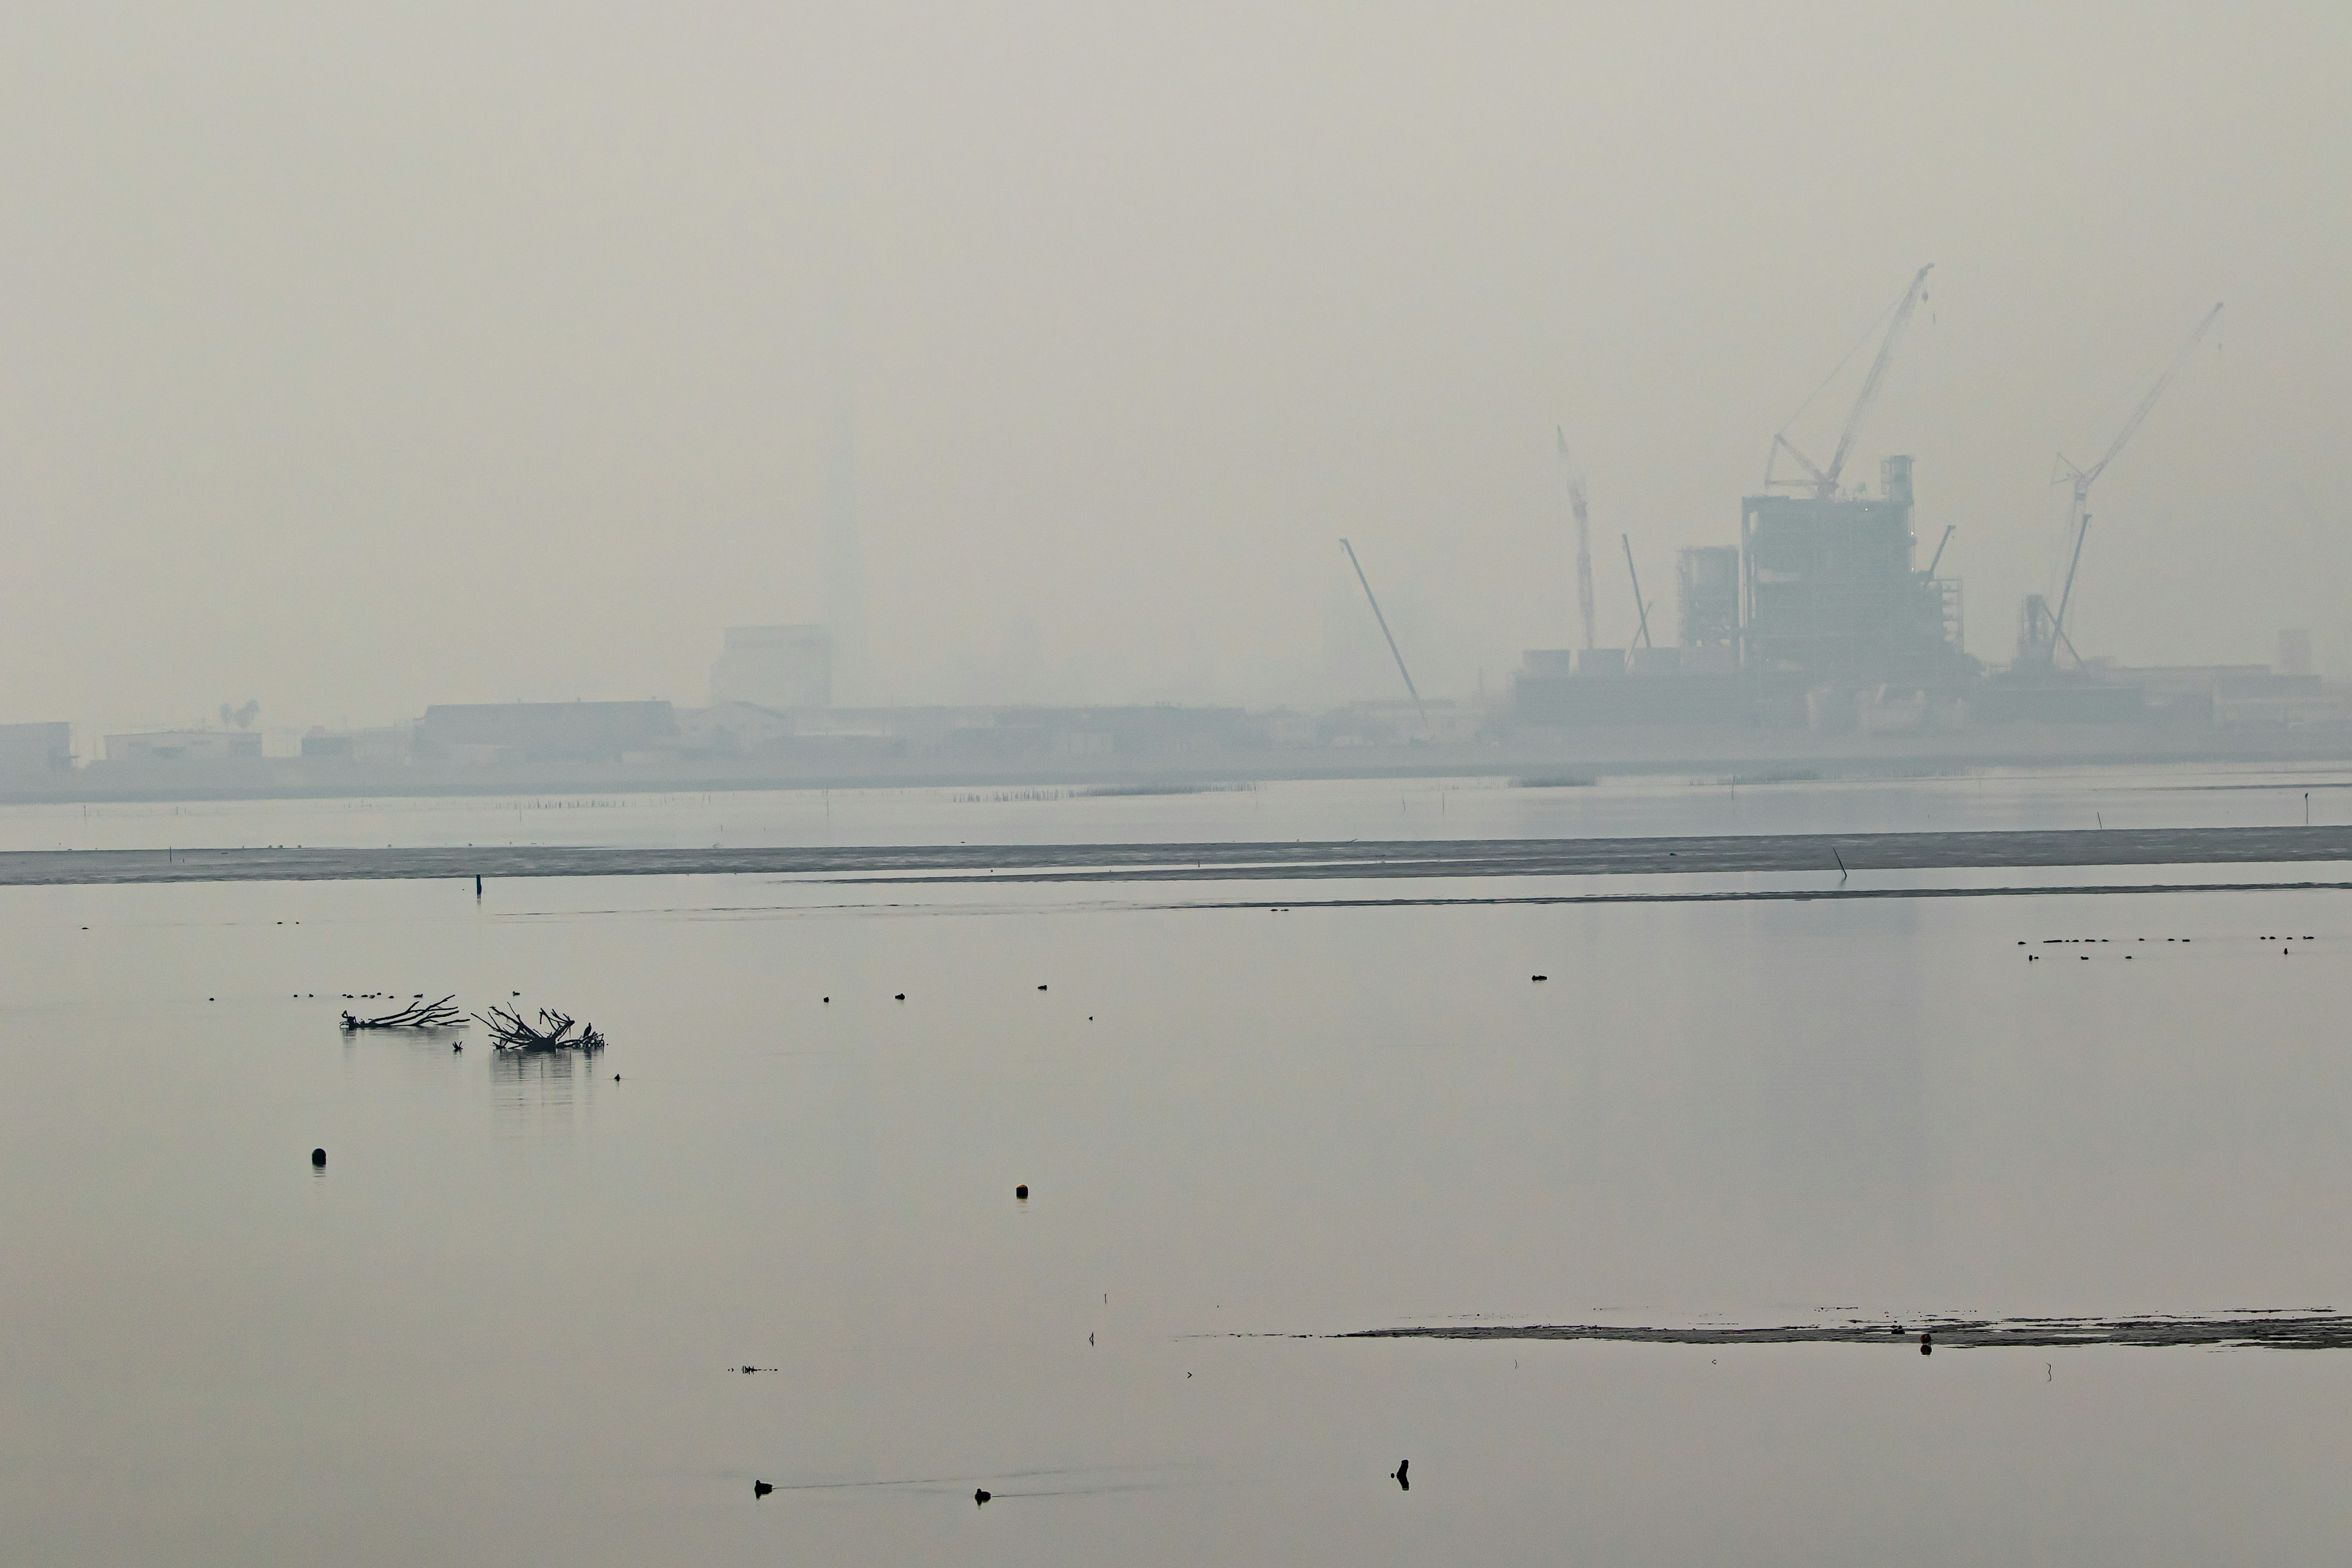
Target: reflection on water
537 1094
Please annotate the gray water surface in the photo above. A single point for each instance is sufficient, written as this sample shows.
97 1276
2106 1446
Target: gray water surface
499 1326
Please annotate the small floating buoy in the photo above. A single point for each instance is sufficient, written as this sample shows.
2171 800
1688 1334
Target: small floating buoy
1022 1192
828 1001
319 1158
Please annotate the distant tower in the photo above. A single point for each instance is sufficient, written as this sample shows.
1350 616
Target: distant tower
774 667
2294 653
845 564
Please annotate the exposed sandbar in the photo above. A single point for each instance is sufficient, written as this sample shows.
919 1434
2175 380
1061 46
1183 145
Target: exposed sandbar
1385 858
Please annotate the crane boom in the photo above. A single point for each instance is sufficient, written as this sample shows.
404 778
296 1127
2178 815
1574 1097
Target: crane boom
1876 379
2081 478
2079 510
1583 536
1383 620
1822 478
1639 609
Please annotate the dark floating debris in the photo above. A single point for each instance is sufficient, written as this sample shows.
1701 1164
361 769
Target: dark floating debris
509 1032
430 1015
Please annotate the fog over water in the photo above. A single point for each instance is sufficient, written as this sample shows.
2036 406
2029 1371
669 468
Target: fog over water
366 357
359 359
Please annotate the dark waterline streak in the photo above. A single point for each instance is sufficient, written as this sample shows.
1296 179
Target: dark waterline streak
2319 1330
1763 896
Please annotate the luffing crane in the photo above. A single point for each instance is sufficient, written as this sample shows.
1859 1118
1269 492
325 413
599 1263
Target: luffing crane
1824 481
2078 512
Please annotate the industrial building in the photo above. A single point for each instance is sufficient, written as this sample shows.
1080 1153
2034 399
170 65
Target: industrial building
166 747
35 749
542 731
775 668
1828 587
1821 610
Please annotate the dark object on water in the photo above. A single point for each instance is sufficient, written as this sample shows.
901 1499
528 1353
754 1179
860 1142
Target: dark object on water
319 1158
1927 1344
902 996
979 1497
1894 1328
477 887
1539 977
552 1032
1041 988
1398 1475
828 1001
760 1489
431 1016
457 1045
1022 1192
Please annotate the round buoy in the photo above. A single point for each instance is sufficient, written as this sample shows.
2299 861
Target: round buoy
319 1158
1022 1192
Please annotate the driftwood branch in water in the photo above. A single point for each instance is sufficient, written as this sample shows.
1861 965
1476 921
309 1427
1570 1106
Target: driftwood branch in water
417 1015
509 1031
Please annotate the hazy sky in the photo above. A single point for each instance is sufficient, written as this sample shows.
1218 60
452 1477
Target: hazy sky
357 357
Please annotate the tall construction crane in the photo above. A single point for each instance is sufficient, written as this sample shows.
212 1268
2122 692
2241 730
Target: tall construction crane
1824 481
1583 535
2078 511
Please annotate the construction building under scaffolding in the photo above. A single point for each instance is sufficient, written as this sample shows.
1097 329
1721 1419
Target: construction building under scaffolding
1829 587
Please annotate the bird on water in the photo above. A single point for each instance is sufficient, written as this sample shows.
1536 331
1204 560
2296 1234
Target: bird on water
1398 1475
980 1496
760 1488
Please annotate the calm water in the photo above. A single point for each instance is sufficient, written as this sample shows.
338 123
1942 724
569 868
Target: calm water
497 1328
2178 796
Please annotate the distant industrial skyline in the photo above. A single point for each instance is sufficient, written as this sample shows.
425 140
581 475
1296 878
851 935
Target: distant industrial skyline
1059 346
